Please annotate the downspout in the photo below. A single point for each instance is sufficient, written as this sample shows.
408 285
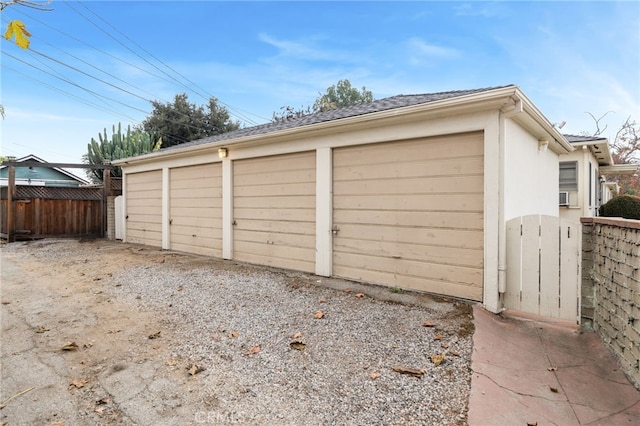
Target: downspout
502 225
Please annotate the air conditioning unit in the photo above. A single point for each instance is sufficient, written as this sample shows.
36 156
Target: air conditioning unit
564 198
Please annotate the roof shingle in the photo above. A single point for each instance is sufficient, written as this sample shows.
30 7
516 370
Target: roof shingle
384 104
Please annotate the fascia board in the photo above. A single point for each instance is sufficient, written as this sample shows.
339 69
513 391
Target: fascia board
620 169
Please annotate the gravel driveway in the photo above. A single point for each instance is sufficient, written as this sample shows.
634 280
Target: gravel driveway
205 341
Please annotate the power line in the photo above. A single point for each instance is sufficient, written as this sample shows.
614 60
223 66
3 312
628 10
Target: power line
69 94
247 119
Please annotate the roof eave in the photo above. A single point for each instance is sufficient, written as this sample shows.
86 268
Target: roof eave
538 124
620 169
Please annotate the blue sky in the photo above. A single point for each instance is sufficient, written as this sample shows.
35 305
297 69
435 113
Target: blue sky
569 58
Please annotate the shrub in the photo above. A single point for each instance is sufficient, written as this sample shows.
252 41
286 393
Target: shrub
626 206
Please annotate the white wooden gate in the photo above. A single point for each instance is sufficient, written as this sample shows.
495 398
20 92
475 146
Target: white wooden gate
543 266
119 215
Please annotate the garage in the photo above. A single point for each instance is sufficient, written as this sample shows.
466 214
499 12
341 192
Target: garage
195 215
411 192
409 214
274 210
144 208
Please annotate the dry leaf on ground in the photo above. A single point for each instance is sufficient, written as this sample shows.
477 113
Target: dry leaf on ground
100 410
374 375
195 369
154 335
41 329
180 288
79 383
297 335
409 371
298 345
438 359
318 315
438 337
70 346
253 350
428 324
359 295
322 300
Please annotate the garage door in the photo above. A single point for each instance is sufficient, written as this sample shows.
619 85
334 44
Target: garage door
410 214
195 212
274 211
144 208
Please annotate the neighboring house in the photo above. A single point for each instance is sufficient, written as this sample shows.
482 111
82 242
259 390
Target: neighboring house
411 191
583 182
41 176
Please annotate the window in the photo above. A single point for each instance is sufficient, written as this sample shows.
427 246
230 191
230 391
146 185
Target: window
569 176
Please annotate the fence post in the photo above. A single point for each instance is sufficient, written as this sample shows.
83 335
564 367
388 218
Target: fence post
11 190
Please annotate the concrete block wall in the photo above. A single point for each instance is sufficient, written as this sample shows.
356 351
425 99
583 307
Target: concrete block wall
611 287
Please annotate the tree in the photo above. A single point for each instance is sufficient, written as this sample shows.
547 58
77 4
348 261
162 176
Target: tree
180 121
625 149
119 145
337 96
341 95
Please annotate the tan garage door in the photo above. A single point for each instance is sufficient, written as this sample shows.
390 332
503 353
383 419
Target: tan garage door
274 211
195 212
410 214
144 208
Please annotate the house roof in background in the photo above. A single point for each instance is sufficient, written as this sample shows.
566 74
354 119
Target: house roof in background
598 145
39 176
393 102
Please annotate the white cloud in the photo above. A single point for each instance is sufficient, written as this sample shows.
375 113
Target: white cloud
422 52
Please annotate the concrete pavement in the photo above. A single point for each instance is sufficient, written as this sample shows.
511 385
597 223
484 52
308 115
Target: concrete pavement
533 372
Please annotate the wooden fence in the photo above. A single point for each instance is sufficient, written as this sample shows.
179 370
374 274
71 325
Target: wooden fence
41 212
543 266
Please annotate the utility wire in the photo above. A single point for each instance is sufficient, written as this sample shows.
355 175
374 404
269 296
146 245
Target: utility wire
247 119
69 94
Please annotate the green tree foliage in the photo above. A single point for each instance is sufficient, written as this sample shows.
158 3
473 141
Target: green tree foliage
119 145
626 206
340 95
337 96
181 121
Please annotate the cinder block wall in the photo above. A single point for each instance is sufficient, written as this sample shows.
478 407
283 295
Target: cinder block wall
611 287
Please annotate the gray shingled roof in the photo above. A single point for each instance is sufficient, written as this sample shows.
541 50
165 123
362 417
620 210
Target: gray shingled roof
576 138
393 102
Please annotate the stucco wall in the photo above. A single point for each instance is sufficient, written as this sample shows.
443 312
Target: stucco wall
531 175
611 287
